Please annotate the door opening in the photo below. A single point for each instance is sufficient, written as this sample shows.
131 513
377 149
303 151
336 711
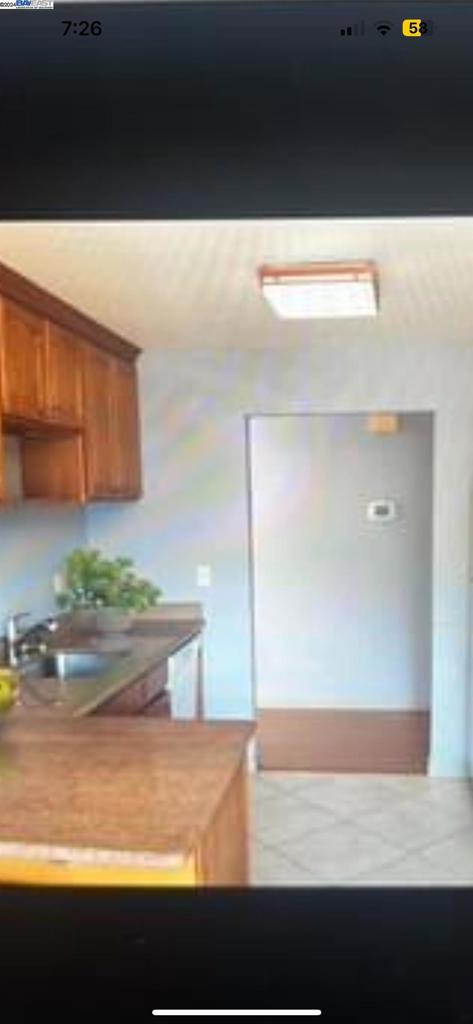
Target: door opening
341 577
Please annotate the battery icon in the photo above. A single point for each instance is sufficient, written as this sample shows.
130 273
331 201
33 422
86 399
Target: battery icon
416 27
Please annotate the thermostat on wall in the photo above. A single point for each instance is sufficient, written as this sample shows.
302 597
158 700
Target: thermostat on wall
381 510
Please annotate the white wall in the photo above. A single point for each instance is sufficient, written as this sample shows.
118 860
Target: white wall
342 604
195 509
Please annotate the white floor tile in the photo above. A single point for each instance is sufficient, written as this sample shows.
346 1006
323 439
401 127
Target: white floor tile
361 829
452 791
339 852
271 868
285 818
457 852
414 824
346 795
414 869
262 785
284 781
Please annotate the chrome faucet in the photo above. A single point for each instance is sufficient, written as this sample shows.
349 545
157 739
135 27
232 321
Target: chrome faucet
31 641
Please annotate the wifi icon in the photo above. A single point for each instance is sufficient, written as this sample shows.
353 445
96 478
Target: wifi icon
383 27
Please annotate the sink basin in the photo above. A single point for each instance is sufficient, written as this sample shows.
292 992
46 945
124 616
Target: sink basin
73 664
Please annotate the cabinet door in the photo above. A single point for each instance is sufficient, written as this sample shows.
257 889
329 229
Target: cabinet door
144 696
158 708
3 488
126 433
111 435
22 341
52 468
63 376
98 423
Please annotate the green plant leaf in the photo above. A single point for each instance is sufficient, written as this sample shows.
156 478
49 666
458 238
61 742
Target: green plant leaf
92 581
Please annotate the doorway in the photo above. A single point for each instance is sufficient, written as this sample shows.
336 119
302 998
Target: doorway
341 578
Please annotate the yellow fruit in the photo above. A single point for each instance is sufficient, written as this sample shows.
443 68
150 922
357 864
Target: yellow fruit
9 685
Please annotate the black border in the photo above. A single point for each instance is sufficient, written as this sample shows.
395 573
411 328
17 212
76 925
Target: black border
237 108
207 117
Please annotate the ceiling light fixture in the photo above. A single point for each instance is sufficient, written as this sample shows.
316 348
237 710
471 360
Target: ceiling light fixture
303 291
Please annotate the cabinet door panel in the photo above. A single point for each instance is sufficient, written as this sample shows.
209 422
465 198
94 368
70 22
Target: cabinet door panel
145 696
111 439
3 487
158 708
98 424
52 468
126 433
63 376
22 342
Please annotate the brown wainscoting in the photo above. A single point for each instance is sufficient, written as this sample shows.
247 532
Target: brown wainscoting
323 740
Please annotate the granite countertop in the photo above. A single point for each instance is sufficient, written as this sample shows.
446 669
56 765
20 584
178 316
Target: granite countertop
150 642
107 790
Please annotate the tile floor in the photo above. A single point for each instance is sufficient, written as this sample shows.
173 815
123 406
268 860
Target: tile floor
312 829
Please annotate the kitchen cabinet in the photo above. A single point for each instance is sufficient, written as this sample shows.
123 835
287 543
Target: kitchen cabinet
3 492
52 468
125 430
68 390
98 424
52 462
22 351
146 696
62 376
111 428
170 690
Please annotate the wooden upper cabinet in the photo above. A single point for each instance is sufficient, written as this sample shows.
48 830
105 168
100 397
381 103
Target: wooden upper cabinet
22 348
126 430
3 488
68 389
111 427
98 440
63 376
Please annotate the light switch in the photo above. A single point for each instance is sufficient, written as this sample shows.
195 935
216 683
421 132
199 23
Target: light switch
204 576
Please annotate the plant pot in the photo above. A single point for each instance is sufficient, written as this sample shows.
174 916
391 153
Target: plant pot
113 620
83 620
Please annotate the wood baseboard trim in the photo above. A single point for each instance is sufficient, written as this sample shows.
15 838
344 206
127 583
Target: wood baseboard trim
324 740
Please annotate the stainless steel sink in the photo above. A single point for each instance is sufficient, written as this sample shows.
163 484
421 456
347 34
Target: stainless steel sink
72 664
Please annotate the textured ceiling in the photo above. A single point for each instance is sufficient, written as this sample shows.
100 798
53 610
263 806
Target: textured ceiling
193 284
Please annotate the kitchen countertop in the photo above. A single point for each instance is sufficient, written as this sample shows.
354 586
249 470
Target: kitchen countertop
106 790
149 643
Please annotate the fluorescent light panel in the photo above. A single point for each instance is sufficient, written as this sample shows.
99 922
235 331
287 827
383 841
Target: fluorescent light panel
313 290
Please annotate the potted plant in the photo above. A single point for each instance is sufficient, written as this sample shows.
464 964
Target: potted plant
103 593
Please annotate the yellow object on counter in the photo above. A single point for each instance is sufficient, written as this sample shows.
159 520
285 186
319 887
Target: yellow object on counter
30 872
9 688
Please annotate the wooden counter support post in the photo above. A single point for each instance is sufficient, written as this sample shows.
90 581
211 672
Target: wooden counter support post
200 709
223 856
